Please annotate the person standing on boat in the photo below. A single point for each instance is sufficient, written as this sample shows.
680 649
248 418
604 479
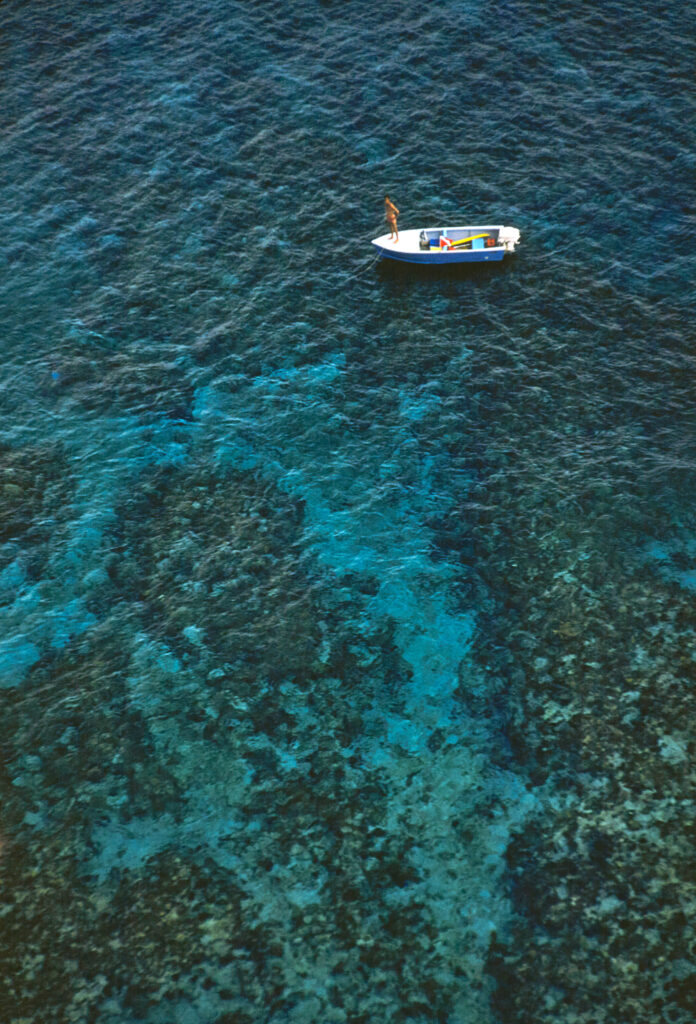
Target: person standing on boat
391 214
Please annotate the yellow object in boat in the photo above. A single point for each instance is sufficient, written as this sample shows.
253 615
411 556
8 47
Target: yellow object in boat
460 241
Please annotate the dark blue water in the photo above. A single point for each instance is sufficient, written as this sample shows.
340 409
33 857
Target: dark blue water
347 647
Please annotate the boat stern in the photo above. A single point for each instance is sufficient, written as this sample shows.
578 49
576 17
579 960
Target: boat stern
509 238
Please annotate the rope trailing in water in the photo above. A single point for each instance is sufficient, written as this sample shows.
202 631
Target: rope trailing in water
365 270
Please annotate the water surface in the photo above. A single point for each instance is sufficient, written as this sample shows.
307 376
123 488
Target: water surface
347 647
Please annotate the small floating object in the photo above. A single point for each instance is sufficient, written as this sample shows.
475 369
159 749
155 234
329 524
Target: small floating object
469 244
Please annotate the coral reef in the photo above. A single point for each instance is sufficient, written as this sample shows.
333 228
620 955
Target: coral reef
594 652
195 826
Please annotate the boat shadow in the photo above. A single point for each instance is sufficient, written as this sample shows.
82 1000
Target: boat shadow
473 273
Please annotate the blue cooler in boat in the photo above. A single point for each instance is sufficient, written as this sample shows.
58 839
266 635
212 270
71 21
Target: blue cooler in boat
477 243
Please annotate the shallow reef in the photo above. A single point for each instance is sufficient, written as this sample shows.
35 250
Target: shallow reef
593 646
193 828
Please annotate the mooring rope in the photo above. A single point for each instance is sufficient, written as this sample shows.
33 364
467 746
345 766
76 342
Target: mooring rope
365 270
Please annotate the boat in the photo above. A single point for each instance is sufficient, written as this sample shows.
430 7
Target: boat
468 244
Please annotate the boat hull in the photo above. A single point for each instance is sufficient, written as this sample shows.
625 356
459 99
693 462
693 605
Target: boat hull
438 258
408 249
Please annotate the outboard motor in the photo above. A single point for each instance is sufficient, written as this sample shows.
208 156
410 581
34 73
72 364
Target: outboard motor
509 237
423 240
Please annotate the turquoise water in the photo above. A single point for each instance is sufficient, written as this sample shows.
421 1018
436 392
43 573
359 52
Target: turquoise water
347 636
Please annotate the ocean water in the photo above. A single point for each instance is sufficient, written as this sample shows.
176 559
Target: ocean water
347 633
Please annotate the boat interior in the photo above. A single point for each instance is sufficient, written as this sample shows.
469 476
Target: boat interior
462 237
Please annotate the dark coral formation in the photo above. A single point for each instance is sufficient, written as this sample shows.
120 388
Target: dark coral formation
132 380
35 492
215 566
